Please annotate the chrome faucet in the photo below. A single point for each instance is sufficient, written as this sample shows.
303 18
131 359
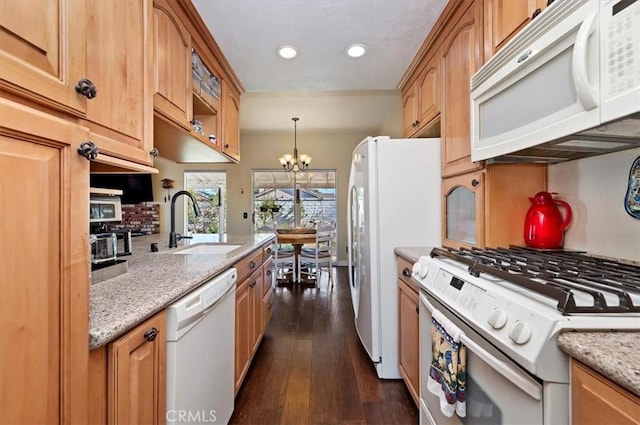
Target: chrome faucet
173 236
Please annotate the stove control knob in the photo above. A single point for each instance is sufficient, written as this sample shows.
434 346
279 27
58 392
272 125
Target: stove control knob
420 270
520 333
497 319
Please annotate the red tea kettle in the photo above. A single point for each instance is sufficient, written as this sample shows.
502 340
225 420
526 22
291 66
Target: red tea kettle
544 225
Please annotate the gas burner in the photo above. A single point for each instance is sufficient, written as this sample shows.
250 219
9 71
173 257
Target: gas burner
601 285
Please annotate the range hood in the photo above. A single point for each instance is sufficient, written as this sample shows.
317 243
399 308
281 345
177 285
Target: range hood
615 136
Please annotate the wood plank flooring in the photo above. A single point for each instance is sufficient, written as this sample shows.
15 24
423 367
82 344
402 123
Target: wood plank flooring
312 369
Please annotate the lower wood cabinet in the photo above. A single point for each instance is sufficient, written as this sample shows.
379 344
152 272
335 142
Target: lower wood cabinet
597 400
127 378
254 302
408 332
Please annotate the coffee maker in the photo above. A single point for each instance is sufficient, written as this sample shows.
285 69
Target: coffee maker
106 250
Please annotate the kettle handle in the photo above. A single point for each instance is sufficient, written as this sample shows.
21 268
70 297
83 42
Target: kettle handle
567 214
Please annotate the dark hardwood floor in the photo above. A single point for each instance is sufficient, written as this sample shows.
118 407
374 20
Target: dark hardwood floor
311 368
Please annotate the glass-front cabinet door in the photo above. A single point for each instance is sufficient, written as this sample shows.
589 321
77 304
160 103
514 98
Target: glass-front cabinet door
463 210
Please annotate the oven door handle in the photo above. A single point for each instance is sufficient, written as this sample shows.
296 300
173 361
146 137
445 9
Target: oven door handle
515 376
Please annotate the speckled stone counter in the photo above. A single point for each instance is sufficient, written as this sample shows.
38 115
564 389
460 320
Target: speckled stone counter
615 355
156 279
412 253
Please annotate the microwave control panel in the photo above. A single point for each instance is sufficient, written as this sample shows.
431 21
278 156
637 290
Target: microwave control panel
621 35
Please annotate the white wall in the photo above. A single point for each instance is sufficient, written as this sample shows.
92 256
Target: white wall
595 188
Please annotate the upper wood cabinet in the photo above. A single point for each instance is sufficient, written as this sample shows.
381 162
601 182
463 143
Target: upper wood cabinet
504 18
44 268
421 101
461 57
230 122
43 51
172 66
487 207
119 63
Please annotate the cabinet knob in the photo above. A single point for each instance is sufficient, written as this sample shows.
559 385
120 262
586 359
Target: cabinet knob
252 284
417 123
226 145
252 265
154 152
536 13
89 150
86 88
406 272
474 182
151 334
269 272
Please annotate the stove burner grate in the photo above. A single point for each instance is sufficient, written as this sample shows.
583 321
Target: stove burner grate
558 275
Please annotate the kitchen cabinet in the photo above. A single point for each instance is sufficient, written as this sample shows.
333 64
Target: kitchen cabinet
119 63
44 267
76 57
128 376
408 335
461 57
178 101
230 122
596 400
252 309
172 66
421 102
487 207
137 367
43 52
505 18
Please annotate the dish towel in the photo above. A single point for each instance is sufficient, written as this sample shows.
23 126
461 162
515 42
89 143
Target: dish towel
447 372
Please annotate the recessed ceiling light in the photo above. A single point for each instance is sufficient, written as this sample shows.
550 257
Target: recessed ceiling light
356 50
287 51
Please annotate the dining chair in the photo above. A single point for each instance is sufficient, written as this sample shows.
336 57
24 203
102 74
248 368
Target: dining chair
283 260
315 259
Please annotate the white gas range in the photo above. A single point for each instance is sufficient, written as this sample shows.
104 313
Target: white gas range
511 305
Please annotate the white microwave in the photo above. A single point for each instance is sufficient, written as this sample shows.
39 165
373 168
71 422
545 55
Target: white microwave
566 87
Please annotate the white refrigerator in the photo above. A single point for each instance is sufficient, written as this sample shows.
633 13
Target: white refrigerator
394 201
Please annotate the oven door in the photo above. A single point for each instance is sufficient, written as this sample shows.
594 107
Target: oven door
498 391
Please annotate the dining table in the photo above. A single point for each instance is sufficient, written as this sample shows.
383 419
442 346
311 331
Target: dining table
297 237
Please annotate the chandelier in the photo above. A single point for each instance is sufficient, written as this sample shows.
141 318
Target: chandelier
294 162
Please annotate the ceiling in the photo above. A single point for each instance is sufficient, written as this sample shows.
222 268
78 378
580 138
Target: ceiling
322 86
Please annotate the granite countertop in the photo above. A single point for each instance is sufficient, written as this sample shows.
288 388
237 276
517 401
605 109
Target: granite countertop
412 253
615 355
156 279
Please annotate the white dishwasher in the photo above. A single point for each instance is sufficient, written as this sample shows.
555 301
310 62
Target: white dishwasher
200 353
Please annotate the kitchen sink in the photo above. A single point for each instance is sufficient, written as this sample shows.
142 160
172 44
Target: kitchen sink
208 249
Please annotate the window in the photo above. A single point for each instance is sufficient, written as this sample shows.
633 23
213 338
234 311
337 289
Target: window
209 189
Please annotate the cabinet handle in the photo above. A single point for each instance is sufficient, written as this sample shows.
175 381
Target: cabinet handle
536 13
269 251
252 284
269 272
406 272
417 309
252 265
474 182
86 88
154 152
226 145
417 123
89 150
151 334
